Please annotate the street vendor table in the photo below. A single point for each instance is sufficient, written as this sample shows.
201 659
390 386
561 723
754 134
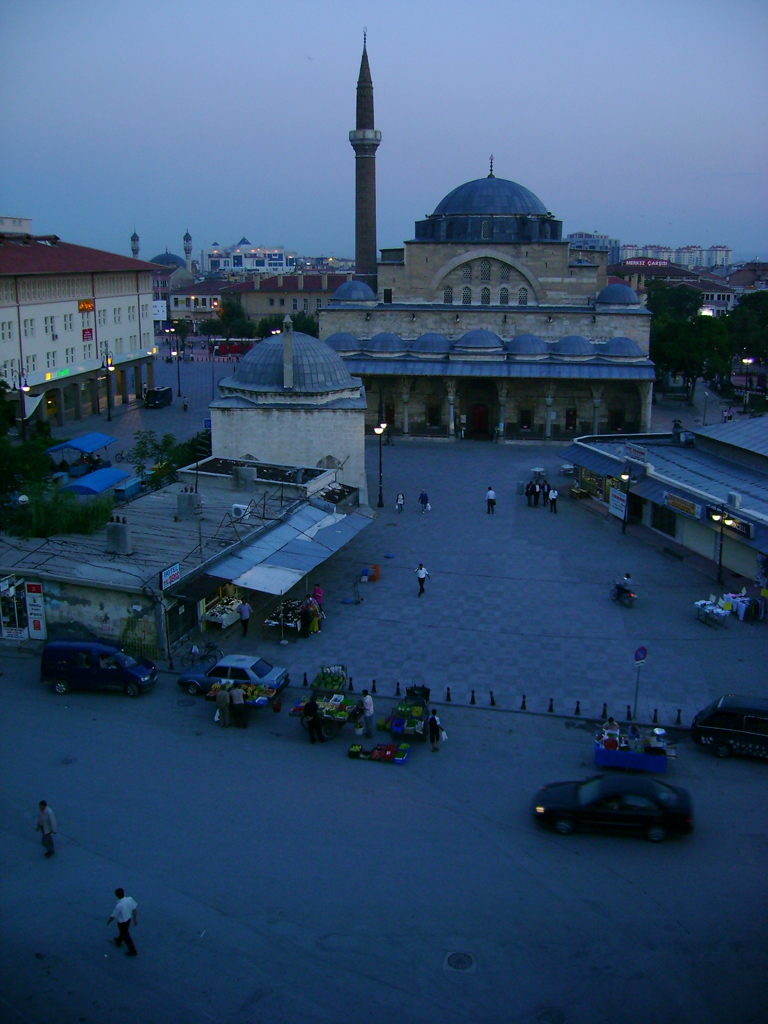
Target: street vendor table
409 716
254 696
710 613
223 614
634 759
336 710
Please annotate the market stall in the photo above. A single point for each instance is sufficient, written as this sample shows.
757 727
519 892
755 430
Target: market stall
223 612
409 716
286 617
254 696
644 752
336 709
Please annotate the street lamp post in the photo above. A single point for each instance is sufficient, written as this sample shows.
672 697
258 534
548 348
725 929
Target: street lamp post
747 361
106 364
380 431
214 350
626 476
724 519
22 387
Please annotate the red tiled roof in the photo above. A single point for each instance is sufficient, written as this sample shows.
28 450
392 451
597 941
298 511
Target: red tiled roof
312 283
24 254
201 288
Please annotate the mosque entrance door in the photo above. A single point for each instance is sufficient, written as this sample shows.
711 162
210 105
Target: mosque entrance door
478 422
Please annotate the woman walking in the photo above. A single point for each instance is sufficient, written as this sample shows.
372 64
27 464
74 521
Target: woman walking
434 731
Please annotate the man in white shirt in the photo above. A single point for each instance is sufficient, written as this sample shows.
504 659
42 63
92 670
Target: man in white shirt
421 575
368 713
46 823
553 500
124 913
244 610
490 500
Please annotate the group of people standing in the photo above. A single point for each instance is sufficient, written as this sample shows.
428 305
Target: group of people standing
539 491
231 704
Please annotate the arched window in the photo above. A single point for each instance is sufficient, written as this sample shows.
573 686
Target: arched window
485 297
522 297
485 270
486 229
466 273
504 272
504 297
448 295
466 296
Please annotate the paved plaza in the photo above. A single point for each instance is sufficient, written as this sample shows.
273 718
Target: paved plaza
517 603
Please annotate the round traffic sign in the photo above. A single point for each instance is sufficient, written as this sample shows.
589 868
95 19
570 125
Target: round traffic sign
641 654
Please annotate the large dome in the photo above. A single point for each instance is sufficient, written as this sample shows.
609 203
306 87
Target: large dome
316 367
492 197
169 259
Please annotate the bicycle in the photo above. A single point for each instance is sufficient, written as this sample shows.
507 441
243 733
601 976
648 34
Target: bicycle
128 456
210 654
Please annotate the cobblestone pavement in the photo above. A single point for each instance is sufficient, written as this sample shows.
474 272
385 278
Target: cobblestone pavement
517 603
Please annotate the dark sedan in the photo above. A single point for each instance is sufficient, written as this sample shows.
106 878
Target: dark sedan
621 803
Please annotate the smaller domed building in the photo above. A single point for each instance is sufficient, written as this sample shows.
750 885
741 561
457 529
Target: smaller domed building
292 401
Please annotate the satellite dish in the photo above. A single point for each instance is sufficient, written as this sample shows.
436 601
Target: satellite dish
23 499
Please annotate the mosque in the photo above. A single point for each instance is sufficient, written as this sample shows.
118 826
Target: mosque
487 323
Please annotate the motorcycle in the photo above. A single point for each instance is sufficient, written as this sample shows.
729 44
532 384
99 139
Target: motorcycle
623 592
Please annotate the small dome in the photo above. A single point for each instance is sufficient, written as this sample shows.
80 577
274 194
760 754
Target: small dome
354 291
316 367
169 259
479 339
618 295
526 345
621 348
385 342
430 343
341 341
490 197
573 345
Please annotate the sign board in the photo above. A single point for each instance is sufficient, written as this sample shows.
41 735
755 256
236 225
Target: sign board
640 655
617 503
682 505
169 576
87 334
635 452
206 424
644 261
85 306
35 611
159 309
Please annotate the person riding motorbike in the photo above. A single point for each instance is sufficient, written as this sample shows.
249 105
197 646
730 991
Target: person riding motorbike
624 585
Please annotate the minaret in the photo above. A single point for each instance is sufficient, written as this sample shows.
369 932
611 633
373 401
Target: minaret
188 250
135 245
365 141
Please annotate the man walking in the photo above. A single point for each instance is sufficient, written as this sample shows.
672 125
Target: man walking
368 713
124 913
314 720
244 610
46 823
424 501
239 710
421 575
553 500
490 500
222 706
545 493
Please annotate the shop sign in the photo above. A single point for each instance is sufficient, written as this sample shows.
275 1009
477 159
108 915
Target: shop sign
742 526
87 334
644 261
35 611
687 508
617 504
169 576
14 632
85 306
635 452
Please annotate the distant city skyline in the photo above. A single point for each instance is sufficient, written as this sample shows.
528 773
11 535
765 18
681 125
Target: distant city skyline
233 119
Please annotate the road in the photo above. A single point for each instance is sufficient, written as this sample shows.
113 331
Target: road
277 882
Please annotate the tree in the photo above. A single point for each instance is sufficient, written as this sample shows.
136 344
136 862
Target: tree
302 322
210 329
748 327
691 348
672 302
234 322
183 330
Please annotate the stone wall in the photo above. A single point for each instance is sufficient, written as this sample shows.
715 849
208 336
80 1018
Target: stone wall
295 437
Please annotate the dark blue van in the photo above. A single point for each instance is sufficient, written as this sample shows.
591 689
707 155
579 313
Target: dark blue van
92 665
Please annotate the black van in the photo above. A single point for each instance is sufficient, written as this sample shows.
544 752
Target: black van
156 398
733 725
91 665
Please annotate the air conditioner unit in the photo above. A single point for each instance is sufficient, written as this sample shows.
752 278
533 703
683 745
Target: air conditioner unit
240 512
55 337
734 499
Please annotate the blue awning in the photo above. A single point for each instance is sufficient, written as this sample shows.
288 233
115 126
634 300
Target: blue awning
97 482
87 444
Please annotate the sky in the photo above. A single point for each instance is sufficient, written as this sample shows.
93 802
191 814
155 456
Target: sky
644 121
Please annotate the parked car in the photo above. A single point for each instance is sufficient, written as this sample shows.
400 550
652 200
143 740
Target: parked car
156 398
92 665
733 725
245 668
631 804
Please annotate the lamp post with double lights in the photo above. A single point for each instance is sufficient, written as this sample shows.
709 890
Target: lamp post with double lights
20 384
106 365
747 363
380 431
626 476
721 516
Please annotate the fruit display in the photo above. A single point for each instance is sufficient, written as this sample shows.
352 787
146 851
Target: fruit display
331 679
411 713
252 692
